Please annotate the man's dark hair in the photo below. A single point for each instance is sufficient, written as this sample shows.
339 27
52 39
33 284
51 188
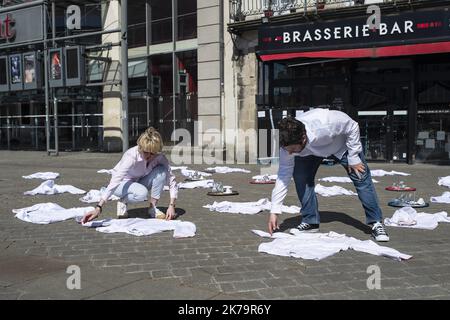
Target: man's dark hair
292 131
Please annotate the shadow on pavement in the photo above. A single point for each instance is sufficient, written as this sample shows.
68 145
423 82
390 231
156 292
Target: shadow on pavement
326 217
143 212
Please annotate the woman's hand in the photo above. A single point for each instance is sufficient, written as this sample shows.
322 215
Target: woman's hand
170 213
91 215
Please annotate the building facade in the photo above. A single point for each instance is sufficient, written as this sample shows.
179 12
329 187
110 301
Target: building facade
224 73
393 79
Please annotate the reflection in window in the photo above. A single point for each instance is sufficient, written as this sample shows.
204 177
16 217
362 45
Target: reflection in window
187 19
161 17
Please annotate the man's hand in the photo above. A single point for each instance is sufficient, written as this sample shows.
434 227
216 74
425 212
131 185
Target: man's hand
170 213
91 215
273 223
357 168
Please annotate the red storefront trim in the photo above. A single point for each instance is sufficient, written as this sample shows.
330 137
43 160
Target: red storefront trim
393 51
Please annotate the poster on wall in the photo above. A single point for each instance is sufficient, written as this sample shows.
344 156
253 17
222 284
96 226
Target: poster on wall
56 66
29 63
15 72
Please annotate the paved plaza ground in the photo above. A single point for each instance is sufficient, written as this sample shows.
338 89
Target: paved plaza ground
222 260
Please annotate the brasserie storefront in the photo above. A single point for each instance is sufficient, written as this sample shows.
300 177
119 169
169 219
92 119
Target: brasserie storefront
393 79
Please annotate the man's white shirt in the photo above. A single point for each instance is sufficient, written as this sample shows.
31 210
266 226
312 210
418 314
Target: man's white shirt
329 132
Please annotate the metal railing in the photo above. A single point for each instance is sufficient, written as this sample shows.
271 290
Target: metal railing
242 10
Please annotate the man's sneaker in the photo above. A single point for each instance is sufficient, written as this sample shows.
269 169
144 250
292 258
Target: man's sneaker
306 227
379 233
122 210
154 212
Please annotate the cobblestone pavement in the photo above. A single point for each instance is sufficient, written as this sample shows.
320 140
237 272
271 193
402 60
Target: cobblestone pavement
222 260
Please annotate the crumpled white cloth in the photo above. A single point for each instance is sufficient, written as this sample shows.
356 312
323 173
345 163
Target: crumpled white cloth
340 179
318 246
188 173
408 217
95 196
42 175
45 213
144 227
444 181
105 171
381 173
261 176
173 168
208 183
247 207
444 198
227 170
333 191
49 187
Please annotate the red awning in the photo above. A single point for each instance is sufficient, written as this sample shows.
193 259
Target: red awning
392 51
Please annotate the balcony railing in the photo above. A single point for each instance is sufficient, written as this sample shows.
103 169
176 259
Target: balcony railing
242 10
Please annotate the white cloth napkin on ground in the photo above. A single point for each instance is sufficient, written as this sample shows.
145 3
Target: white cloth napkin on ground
105 171
333 191
227 170
42 175
340 179
247 207
444 181
144 227
95 196
261 176
444 198
408 217
381 173
318 246
173 168
45 213
188 173
208 183
49 187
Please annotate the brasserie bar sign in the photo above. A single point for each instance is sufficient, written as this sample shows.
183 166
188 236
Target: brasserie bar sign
394 29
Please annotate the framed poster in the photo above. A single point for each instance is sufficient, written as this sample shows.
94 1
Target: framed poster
4 79
31 71
56 74
15 72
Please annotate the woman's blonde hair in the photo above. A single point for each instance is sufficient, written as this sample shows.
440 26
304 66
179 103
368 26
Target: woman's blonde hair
150 141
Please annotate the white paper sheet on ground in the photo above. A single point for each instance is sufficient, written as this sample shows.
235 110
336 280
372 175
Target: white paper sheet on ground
444 181
145 227
173 168
444 198
49 187
95 196
105 171
381 173
188 173
42 175
247 207
408 217
318 246
340 179
45 213
227 170
261 176
208 183
333 191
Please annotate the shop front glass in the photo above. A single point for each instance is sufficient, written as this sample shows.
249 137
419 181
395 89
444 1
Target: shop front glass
433 115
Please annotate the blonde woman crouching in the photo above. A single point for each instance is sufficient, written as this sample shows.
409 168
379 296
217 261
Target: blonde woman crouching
142 168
